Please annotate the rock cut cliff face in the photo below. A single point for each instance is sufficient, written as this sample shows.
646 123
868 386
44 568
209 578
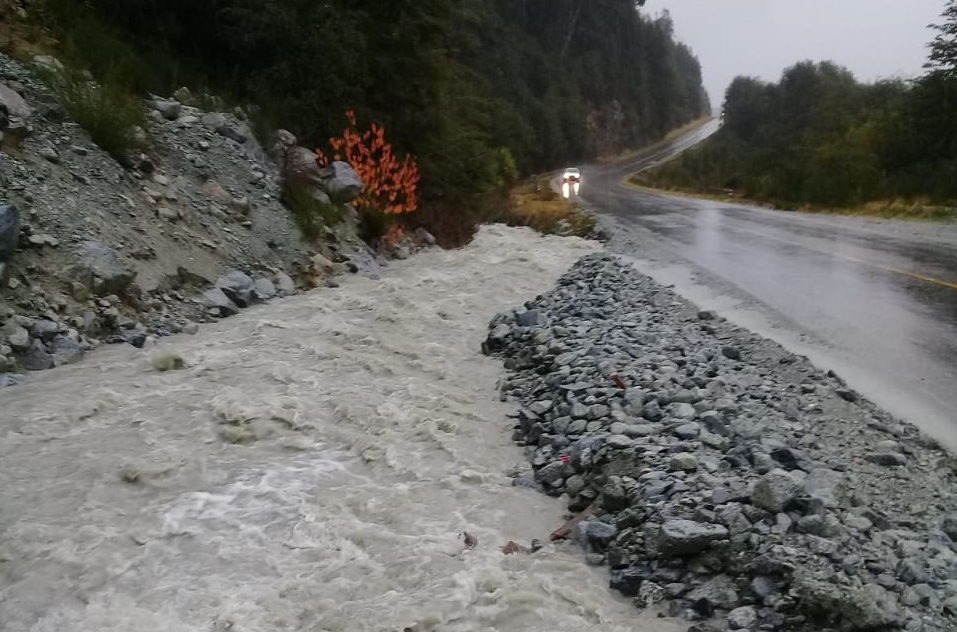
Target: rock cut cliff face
93 251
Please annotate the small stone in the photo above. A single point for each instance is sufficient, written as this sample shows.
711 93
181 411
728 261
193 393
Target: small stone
50 154
775 490
732 353
679 538
763 587
683 411
687 431
743 618
684 462
168 108
888 459
628 581
847 394
619 442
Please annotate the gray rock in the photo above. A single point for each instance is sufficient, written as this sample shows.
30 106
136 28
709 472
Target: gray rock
9 231
824 484
425 236
284 284
687 431
595 534
216 120
619 442
101 269
553 473
718 592
530 318
856 609
683 462
50 154
45 330
238 287
652 411
634 401
948 525
763 587
36 358
775 490
732 353
683 411
217 299
847 394
264 289
7 380
743 618
66 350
168 108
17 336
341 182
13 103
888 459
680 538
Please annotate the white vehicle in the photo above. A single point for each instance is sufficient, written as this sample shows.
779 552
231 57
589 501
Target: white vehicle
571 182
571 175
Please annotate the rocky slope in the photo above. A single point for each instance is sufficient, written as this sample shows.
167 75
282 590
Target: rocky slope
92 251
722 473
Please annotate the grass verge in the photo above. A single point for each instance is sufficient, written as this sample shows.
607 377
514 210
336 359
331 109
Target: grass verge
898 208
533 203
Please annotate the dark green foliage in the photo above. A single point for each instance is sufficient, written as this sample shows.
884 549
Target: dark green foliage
819 137
475 89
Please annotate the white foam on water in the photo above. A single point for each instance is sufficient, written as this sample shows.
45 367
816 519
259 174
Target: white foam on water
312 468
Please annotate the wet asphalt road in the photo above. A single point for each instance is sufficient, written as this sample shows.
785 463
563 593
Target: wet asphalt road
874 300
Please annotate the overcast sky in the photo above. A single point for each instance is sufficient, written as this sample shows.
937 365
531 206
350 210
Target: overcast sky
760 38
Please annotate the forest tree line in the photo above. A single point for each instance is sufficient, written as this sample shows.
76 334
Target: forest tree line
479 91
820 138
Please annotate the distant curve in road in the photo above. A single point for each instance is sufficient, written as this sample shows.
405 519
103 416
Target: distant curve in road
874 299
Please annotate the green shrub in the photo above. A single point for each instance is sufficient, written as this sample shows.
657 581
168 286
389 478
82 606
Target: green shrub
108 112
311 213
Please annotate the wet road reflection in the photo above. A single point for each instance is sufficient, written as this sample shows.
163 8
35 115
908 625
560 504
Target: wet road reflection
881 295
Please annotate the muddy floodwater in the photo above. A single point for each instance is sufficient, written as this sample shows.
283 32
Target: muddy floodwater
312 468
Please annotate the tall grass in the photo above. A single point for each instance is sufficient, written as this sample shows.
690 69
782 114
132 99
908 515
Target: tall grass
109 112
310 213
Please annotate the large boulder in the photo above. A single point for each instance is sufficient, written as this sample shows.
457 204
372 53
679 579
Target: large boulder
9 230
238 287
216 300
299 165
341 182
13 104
100 268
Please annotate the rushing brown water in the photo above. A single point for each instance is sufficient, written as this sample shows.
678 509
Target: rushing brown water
311 469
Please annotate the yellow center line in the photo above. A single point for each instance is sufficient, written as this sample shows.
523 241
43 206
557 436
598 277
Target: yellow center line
912 275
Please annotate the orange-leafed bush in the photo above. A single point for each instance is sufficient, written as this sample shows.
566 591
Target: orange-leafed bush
390 183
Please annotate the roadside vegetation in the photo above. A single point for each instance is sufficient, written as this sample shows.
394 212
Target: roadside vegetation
478 92
534 203
820 140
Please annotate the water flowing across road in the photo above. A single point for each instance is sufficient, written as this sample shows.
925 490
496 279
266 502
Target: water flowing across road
310 469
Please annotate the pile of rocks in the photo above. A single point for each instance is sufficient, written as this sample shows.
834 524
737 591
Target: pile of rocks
725 475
